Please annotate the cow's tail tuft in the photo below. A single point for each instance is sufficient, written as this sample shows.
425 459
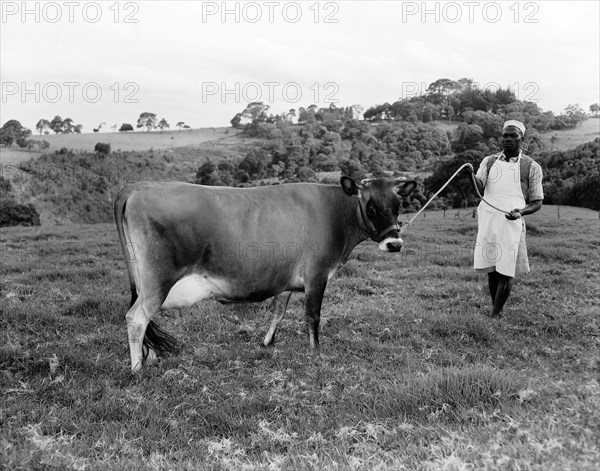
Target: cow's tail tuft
160 341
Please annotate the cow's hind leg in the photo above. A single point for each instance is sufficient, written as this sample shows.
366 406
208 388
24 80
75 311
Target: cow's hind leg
138 318
280 303
146 340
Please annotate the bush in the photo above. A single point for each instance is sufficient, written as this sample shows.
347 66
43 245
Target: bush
22 142
16 214
102 148
5 188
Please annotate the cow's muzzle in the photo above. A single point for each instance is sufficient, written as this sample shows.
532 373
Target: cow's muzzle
391 244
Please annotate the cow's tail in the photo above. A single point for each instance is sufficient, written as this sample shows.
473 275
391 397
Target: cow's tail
128 252
160 341
157 339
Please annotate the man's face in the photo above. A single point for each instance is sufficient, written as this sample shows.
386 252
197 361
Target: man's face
511 139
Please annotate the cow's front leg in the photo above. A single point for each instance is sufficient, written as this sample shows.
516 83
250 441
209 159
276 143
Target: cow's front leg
313 301
280 303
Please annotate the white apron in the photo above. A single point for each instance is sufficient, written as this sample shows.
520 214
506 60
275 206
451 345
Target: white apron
500 242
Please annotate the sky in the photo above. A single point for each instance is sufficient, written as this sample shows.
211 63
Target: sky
202 62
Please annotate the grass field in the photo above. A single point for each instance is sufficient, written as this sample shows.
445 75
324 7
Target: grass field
131 141
412 374
570 138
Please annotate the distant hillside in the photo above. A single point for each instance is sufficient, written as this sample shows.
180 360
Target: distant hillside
572 177
130 141
74 184
565 139
80 187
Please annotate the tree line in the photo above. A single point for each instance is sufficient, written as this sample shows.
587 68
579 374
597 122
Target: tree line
399 139
451 99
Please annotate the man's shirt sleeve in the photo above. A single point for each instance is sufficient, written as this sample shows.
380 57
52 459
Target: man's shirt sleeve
482 171
536 190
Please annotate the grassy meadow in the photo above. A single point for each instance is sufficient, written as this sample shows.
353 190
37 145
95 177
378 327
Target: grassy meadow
119 141
412 374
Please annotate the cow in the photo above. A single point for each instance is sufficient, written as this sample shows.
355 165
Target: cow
184 243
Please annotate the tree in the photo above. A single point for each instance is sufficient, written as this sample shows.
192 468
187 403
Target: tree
67 126
575 114
490 124
352 168
254 115
56 124
460 190
11 131
255 163
147 120
441 88
207 174
306 174
180 124
586 193
236 120
42 125
595 110
126 127
162 124
379 112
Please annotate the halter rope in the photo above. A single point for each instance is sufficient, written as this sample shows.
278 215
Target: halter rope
410 221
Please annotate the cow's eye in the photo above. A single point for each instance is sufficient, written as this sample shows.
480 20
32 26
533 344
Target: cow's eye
371 210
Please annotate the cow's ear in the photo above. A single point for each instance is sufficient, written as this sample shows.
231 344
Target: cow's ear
350 187
406 188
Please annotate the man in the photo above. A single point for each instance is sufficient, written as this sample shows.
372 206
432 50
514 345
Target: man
512 181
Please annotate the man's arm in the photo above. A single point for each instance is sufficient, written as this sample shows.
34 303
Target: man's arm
530 208
536 193
479 184
476 179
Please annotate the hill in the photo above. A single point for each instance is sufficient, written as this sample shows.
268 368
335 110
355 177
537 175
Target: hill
564 139
74 184
68 187
130 141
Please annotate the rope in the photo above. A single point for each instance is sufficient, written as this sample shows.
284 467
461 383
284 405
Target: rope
410 221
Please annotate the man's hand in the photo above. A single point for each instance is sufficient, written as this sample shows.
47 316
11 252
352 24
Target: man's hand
514 215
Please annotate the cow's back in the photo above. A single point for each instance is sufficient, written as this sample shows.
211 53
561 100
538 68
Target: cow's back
261 240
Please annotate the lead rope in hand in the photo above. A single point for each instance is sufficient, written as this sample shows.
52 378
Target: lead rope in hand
408 223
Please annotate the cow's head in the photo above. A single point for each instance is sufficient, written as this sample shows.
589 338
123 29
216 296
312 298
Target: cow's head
379 206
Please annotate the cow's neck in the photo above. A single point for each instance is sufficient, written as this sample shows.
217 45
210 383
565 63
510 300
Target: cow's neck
355 229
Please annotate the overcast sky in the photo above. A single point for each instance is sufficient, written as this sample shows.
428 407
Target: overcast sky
201 62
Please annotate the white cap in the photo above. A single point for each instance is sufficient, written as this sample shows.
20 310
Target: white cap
516 124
